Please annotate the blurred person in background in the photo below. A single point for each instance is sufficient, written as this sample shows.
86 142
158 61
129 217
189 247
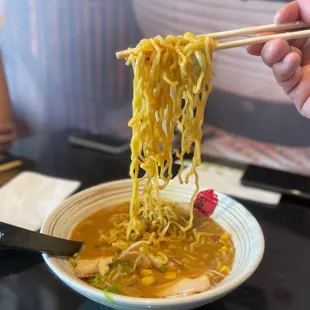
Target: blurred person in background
62 73
59 57
246 99
249 118
7 128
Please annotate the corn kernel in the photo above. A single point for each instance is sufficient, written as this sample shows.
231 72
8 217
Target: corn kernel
170 275
223 249
225 237
224 269
146 272
147 281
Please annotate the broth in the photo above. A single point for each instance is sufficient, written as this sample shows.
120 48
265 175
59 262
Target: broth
211 254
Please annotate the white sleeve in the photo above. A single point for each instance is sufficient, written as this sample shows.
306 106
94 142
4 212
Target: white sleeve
234 70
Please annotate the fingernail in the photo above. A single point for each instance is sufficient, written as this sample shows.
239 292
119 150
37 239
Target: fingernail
276 17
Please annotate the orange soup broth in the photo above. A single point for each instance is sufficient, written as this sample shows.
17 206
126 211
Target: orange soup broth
214 253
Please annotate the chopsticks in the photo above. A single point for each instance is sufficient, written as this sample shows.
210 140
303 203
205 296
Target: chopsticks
257 29
10 165
249 31
264 39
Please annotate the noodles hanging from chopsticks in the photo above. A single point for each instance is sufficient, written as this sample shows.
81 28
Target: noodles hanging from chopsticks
172 79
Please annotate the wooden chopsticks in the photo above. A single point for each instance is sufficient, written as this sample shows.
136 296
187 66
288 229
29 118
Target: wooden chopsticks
283 28
257 29
265 38
10 165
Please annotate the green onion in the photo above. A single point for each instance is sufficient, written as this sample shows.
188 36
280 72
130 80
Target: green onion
108 297
162 268
114 289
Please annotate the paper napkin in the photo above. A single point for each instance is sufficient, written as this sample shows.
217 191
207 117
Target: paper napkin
28 198
227 181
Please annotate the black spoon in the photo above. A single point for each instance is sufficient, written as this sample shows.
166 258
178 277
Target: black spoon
13 237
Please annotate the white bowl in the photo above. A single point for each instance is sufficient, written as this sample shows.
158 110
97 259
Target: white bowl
233 217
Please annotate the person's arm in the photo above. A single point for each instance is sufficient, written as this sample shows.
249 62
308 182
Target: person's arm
7 126
290 61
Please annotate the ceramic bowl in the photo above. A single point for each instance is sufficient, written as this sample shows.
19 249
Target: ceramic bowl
245 231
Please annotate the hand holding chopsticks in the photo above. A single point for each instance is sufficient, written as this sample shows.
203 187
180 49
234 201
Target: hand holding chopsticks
290 60
284 28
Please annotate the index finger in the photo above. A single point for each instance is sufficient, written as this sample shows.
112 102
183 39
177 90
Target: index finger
304 10
289 13
293 11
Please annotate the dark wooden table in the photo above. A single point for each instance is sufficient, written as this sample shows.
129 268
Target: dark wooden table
281 282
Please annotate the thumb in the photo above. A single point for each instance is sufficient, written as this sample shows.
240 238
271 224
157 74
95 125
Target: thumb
304 10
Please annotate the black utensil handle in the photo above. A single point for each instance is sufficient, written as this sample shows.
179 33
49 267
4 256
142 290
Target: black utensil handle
22 239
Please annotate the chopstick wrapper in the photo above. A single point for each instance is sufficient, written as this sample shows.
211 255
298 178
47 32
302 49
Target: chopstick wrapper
227 181
30 197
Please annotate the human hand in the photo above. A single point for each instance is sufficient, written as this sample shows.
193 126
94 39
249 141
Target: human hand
290 61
